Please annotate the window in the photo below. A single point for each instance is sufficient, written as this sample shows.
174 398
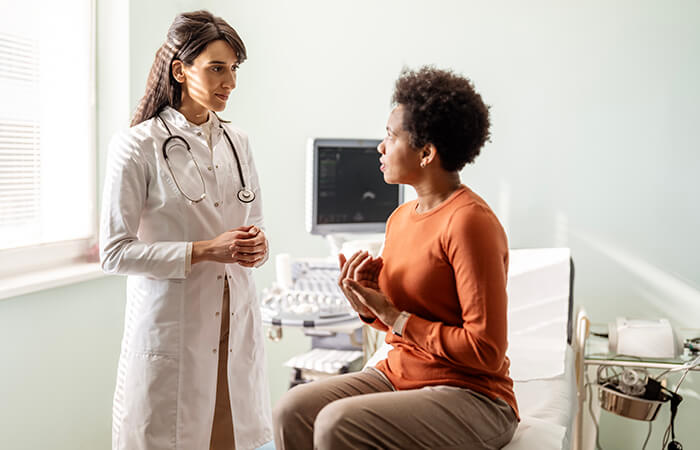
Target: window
47 123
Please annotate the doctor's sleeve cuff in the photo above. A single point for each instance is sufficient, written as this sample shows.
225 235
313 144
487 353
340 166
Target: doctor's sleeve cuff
188 259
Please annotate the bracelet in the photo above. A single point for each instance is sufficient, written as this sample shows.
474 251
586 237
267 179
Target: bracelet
400 323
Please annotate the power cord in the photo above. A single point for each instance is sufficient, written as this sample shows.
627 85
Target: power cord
588 387
675 401
644 446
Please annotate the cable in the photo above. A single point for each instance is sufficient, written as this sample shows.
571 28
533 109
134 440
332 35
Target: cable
669 430
667 435
644 446
590 408
687 366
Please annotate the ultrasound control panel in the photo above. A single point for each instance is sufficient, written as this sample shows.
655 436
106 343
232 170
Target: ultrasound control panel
310 296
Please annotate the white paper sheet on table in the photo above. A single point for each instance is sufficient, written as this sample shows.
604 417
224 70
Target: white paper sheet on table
538 311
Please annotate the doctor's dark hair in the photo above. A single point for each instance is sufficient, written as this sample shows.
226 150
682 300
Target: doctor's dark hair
443 109
187 37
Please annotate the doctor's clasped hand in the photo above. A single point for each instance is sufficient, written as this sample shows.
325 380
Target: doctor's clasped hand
246 246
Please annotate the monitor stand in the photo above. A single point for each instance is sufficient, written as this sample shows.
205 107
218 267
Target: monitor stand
348 244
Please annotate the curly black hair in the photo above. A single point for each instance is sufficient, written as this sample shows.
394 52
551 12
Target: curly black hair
443 109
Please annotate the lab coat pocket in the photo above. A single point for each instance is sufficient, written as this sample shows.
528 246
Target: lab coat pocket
157 316
150 402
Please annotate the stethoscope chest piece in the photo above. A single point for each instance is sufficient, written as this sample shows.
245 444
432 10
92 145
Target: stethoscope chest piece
246 195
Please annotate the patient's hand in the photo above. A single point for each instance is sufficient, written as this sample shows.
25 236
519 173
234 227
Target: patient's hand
348 270
374 300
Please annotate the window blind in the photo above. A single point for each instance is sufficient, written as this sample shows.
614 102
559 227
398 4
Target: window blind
20 149
20 172
47 154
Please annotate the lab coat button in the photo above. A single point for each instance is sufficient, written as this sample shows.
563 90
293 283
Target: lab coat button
213 350
217 314
209 168
199 133
216 205
217 166
218 277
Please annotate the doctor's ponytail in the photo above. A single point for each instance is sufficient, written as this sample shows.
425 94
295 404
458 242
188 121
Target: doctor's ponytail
188 36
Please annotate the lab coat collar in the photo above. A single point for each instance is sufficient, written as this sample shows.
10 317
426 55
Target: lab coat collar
175 117
217 124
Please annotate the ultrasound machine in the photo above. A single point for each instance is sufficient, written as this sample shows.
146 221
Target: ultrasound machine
348 202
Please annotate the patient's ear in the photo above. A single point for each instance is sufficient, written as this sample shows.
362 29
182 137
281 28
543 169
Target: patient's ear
428 155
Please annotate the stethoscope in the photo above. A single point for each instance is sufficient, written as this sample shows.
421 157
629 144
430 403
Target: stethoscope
245 195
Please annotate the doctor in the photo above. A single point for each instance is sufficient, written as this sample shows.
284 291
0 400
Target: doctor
182 217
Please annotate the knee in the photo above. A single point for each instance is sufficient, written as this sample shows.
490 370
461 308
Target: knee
331 428
288 411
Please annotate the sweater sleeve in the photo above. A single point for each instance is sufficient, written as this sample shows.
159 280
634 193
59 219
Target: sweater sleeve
374 323
476 247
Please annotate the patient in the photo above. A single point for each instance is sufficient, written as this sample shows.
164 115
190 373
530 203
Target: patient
438 290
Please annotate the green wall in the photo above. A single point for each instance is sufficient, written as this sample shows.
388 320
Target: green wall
59 351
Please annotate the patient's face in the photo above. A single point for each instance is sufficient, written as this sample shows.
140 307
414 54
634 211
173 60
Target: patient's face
400 162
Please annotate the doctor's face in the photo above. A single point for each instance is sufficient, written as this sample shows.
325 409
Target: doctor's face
211 77
400 161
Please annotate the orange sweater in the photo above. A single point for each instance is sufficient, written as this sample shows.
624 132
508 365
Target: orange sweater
448 268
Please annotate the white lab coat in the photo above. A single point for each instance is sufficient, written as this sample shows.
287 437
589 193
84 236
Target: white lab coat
166 381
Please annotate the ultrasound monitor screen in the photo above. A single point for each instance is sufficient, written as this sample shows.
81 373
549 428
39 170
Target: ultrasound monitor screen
351 188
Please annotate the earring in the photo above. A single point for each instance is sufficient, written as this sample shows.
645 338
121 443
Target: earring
422 164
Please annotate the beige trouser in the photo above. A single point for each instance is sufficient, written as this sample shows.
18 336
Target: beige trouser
362 411
222 428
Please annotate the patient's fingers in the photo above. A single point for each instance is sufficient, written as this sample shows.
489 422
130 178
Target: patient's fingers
356 261
377 265
368 270
343 268
346 267
362 268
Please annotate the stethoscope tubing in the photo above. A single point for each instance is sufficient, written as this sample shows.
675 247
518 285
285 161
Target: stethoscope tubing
245 195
